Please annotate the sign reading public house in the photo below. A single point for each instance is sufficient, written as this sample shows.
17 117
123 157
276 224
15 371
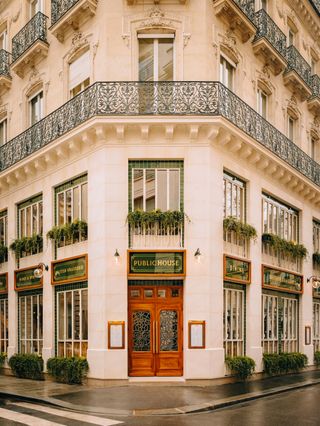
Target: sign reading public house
3 283
281 280
156 263
237 270
69 270
24 279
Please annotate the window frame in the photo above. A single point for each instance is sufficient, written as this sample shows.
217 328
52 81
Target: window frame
4 219
4 123
236 185
316 324
4 328
234 345
316 236
24 336
260 94
223 72
40 107
70 186
22 217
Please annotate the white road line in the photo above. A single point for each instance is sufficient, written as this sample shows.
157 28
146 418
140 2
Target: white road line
69 414
26 419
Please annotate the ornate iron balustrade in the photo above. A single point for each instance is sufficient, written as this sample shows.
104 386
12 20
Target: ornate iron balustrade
59 8
247 7
36 29
315 85
298 64
268 29
316 5
4 63
157 98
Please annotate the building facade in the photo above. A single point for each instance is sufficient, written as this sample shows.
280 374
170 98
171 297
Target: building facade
162 159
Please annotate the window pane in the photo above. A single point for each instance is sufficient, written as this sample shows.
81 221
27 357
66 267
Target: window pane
34 219
76 194
162 190
174 186
28 330
69 314
22 317
150 189
69 206
61 208
165 69
61 317
84 314
22 223
84 202
146 59
34 317
28 220
76 315
137 189
40 218
40 317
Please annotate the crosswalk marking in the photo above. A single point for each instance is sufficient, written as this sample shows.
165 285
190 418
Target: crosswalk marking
69 415
25 418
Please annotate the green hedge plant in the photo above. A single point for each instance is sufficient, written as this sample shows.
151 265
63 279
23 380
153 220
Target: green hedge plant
242 366
283 363
288 248
68 370
26 246
69 233
27 366
168 218
3 356
242 230
317 358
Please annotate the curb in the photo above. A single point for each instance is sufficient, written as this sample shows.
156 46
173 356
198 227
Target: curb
189 409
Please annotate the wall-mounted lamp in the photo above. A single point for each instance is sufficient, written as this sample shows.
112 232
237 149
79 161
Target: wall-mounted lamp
315 281
197 255
38 272
116 256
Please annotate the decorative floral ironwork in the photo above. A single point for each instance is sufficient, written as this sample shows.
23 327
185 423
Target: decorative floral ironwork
247 6
168 331
158 98
315 85
59 8
298 64
268 29
4 63
36 29
316 5
141 331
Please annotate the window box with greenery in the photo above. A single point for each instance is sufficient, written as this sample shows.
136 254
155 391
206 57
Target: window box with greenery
69 233
241 229
3 253
284 247
27 366
27 246
241 366
68 370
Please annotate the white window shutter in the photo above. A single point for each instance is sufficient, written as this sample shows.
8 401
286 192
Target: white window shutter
79 70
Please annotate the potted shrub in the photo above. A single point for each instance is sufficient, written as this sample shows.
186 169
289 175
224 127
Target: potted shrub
242 366
27 366
68 370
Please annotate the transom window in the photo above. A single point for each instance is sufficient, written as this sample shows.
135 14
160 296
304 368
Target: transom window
280 219
79 74
30 215
72 201
3 325
262 103
31 323
227 71
3 131
316 326
234 197
156 57
156 189
233 322
72 322
36 108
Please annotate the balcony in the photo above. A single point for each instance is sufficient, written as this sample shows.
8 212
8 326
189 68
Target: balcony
132 2
155 235
270 42
298 74
70 14
235 245
30 45
181 99
314 101
273 257
238 14
5 77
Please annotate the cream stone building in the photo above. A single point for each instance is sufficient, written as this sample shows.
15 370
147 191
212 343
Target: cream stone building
139 140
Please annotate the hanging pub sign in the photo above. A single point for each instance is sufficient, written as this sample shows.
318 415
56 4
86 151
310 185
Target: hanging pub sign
158 263
4 283
281 280
236 270
24 279
69 270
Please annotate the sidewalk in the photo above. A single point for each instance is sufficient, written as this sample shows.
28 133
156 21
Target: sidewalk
145 398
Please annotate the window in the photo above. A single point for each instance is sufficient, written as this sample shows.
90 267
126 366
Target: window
291 128
35 7
3 325
30 323
261 4
314 148
291 37
227 71
292 125
72 201
233 322
4 233
316 236
156 57
36 108
4 39
72 322
280 219
156 189
313 66
79 74
30 217
316 326
279 324
234 197
3 132
262 103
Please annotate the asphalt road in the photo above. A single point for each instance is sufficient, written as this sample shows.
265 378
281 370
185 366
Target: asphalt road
295 408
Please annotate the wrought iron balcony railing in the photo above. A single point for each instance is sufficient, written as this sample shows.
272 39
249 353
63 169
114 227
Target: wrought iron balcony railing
316 5
247 7
268 29
36 29
315 85
158 98
59 8
4 63
298 64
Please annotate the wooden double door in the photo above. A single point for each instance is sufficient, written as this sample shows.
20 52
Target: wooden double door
155 331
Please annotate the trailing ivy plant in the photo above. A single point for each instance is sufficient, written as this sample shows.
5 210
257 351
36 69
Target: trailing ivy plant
26 245
3 253
165 218
70 232
288 248
242 366
242 230
316 258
